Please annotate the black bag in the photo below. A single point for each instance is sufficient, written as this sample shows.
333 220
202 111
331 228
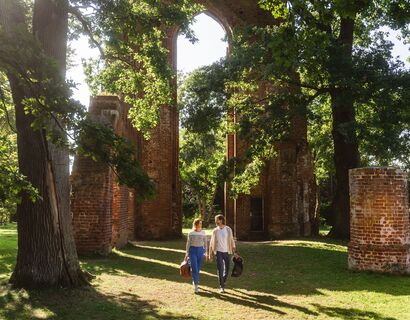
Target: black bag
237 266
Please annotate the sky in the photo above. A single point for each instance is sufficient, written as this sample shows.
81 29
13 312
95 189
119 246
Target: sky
210 48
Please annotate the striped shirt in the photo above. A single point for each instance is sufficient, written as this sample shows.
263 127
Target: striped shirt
196 239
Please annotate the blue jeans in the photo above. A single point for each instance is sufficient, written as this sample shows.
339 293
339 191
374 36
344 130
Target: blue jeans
195 256
222 263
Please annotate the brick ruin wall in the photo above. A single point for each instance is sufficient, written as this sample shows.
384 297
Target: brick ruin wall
380 223
287 186
103 211
105 215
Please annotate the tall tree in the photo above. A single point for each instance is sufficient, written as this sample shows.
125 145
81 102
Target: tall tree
46 248
34 62
329 43
321 54
12 182
35 65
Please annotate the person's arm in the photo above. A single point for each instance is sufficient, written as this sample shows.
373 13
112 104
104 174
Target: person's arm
206 243
188 244
232 241
211 244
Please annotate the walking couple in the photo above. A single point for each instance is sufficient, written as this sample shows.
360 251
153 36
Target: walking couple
221 244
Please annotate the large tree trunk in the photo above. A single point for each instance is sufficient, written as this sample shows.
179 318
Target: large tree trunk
46 250
346 150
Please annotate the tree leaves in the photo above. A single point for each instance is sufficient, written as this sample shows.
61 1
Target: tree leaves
136 63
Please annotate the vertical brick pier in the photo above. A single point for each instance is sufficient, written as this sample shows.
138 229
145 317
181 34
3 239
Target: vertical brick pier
379 220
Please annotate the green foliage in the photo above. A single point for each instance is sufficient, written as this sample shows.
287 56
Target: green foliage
340 60
382 109
277 7
320 137
100 143
202 104
131 35
378 84
203 97
216 94
48 100
12 183
201 156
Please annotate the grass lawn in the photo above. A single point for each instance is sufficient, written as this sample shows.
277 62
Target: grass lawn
294 279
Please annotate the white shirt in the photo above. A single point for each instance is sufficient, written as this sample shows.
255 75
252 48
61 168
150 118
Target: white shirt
222 239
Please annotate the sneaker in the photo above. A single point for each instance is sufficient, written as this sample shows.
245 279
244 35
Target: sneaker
195 287
221 290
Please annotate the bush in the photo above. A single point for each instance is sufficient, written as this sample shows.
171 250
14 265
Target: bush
6 215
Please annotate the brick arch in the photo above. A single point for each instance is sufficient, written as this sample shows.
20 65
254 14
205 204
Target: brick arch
105 215
287 186
212 13
173 34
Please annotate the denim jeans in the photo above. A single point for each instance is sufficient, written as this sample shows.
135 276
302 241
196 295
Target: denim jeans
222 263
195 256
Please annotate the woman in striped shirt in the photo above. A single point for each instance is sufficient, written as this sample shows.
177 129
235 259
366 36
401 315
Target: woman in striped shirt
196 248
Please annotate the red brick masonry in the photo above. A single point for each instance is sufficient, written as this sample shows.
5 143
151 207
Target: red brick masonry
106 215
380 225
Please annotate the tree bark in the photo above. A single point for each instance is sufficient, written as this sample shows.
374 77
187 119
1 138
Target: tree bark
346 150
201 208
46 250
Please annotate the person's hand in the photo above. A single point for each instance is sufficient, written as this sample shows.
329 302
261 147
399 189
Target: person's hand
186 258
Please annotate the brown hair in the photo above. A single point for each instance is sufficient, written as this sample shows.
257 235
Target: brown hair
196 223
220 217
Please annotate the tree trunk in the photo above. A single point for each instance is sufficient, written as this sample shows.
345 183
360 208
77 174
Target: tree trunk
346 150
201 208
46 250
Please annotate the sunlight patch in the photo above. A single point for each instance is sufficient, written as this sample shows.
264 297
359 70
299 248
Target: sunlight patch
137 245
311 244
164 263
42 314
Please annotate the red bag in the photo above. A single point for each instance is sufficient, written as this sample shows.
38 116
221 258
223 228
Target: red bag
185 269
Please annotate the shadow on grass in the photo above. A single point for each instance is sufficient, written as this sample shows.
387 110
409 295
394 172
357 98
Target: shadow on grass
350 314
257 301
298 268
84 303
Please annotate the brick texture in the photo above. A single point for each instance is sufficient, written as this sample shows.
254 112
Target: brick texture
106 215
380 226
103 211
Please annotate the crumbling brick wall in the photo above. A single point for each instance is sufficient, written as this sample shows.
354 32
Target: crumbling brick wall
106 215
380 225
287 186
100 206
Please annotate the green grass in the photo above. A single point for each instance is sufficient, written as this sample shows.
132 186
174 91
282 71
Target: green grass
8 250
294 279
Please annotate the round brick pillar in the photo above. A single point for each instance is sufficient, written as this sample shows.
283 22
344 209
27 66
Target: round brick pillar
379 220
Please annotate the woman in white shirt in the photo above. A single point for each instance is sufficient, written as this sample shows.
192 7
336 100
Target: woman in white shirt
196 247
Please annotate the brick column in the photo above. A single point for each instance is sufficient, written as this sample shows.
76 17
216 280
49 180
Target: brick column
92 189
379 225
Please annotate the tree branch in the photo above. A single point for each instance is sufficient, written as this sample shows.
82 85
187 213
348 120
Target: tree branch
6 112
86 27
